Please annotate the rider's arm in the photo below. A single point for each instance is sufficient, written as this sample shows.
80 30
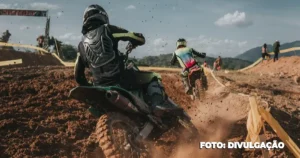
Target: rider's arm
174 59
79 72
137 39
79 69
201 55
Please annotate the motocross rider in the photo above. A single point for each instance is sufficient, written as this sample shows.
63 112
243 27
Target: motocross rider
98 51
5 36
185 56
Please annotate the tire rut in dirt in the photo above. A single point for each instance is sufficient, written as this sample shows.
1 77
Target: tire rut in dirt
108 140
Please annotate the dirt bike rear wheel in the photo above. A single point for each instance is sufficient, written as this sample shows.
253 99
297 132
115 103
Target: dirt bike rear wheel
115 134
204 83
197 89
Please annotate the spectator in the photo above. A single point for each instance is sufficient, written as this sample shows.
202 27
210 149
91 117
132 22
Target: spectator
264 51
217 64
205 64
5 36
276 46
40 40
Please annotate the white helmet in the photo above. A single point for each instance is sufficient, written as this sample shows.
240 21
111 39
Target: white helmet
181 42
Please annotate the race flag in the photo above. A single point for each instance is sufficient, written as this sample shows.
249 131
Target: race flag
18 12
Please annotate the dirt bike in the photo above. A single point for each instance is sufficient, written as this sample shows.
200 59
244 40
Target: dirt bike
198 81
127 123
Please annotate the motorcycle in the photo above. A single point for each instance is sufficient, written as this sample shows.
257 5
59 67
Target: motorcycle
198 81
127 124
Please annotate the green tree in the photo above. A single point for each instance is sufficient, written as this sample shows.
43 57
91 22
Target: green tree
69 52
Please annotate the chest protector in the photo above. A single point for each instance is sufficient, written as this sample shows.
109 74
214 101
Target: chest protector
98 46
185 57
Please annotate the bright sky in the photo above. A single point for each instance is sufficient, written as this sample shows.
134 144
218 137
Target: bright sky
217 27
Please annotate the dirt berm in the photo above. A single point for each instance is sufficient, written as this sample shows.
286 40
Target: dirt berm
29 58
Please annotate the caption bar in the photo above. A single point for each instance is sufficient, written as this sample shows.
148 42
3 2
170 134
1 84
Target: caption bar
240 145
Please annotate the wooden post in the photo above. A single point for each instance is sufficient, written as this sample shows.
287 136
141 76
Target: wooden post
280 132
57 50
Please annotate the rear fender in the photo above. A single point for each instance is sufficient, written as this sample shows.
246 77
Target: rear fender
104 97
88 94
198 70
194 75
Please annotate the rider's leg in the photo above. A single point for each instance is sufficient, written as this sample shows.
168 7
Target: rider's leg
185 80
156 93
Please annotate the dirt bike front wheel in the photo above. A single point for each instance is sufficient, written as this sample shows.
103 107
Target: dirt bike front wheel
115 134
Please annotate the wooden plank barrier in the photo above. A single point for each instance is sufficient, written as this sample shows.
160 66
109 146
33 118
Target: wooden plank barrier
255 122
10 62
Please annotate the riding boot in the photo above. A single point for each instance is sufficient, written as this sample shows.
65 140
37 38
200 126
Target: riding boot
155 93
157 97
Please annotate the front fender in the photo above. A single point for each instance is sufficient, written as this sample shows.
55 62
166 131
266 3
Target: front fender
120 98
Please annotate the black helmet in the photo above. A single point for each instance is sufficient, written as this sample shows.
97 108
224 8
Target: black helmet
181 42
94 13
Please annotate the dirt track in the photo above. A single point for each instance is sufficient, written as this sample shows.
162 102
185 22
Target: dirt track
38 119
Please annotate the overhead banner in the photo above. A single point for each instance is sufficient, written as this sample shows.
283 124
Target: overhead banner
17 12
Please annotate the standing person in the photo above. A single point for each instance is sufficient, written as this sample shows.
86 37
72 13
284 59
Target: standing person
264 52
276 46
217 63
205 64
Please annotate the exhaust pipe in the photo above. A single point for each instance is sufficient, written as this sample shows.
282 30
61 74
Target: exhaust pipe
120 101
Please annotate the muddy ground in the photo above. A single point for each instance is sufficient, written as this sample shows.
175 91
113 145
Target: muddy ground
39 120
